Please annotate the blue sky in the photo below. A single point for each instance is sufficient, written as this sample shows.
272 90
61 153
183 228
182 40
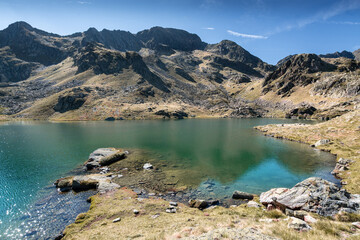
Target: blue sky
269 29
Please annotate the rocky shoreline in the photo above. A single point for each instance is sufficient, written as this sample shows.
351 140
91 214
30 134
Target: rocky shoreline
300 203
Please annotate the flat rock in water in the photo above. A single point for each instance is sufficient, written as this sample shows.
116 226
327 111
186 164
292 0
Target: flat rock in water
103 157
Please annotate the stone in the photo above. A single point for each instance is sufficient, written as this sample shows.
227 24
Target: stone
298 224
300 214
200 204
135 211
116 220
313 195
289 212
84 183
173 204
356 224
155 216
322 142
242 195
148 166
64 184
103 157
309 219
171 210
341 165
253 204
107 160
106 186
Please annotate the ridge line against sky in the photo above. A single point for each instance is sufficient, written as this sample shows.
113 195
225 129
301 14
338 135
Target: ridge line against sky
269 29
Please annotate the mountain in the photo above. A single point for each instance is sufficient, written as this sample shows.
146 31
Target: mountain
344 54
176 39
33 45
161 73
357 54
236 53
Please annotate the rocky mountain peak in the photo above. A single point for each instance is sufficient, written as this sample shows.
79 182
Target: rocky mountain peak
296 71
19 26
176 39
235 52
344 54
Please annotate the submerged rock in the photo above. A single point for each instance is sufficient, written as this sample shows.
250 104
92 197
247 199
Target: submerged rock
312 195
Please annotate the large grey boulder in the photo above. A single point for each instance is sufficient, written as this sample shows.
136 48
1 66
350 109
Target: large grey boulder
312 195
104 157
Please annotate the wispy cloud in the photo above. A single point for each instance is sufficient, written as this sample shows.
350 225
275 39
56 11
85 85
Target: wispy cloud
336 9
209 3
347 23
209 28
83 2
246 35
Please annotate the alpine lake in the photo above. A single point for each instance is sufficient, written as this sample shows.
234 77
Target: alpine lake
226 154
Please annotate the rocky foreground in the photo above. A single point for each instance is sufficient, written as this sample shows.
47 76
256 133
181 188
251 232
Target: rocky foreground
127 207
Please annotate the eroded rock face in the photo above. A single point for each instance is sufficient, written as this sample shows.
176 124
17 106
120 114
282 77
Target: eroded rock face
313 195
296 71
72 101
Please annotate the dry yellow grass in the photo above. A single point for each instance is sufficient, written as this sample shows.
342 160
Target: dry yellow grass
97 222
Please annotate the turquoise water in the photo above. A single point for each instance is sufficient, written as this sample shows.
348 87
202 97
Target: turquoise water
228 152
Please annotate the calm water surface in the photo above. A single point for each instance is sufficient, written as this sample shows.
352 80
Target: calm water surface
228 152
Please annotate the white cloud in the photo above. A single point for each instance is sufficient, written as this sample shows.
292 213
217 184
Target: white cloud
336 9
83 2
347 23
246 35
209 28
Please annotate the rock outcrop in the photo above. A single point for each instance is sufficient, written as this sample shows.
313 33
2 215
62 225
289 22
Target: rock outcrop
312 195
158 38
104 157
297 71
71 101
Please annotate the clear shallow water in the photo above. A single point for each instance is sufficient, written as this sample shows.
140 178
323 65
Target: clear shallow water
227 153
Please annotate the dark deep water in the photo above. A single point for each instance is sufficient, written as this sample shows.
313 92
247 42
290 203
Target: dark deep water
229 152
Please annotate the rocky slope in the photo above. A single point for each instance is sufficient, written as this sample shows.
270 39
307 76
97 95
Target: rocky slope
158 73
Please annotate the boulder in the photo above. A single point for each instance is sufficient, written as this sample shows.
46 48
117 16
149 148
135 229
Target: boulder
341 165
148 166
253 204
84 183
242 195
103 157
322 142
200 204
313 194
64 184
298 224
112 158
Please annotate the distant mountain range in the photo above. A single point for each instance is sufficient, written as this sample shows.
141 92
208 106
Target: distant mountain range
160 72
